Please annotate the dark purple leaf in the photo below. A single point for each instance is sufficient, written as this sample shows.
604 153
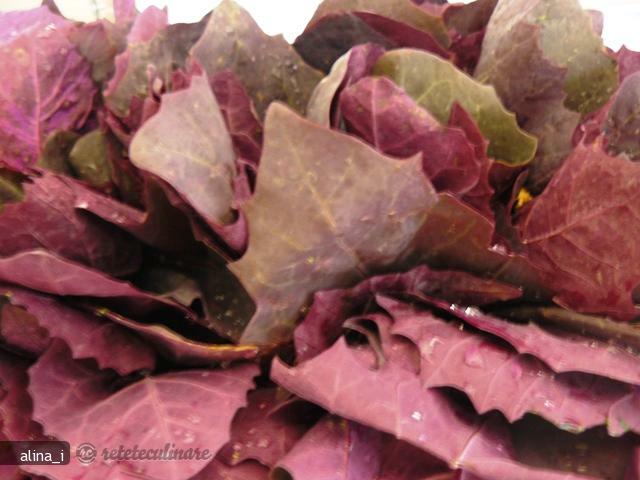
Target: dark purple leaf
47 218
330 308
87 336
324 107
238 112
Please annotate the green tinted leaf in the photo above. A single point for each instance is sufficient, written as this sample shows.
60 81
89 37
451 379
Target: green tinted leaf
327 211
89 159
167 50
55 153
436 84
269 67
566 40
10 189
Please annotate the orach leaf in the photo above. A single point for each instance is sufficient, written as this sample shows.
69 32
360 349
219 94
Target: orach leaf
578 237
496 377
47 218
545 68
187 139
562 353
180 349
174 408
268 66
317 234
591 74
436 84
330 308
49 88
167 50
336 448
404 11
42 271
86 335
622 126
392 400
323 107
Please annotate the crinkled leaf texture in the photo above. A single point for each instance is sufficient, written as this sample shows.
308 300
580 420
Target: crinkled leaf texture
496 377
392 400
330 308
191 409
327 210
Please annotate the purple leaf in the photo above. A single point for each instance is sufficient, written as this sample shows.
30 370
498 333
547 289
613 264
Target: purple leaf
191 409
268 427
20 331
146 25
237 110
392 400
337 448
144 63
495 377
13 24
86 335
562 353
579 237
330 308
161 225
47 218
39 270
15 404
385 116
628 62
324 108
197 141
49 87
182 350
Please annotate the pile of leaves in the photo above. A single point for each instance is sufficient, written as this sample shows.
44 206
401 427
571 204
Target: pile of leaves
403 248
